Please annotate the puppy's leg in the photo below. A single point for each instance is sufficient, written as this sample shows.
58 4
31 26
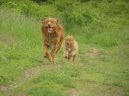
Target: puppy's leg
65 54
69 57
74 57
73 54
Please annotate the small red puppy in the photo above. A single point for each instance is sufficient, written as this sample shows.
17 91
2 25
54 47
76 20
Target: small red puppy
70 48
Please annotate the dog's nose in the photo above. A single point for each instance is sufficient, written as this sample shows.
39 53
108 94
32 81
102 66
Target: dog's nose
49 24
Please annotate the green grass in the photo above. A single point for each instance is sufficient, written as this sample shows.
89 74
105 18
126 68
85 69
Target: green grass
20 44
100 68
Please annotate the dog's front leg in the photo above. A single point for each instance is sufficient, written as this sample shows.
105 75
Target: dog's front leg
53 51
47 54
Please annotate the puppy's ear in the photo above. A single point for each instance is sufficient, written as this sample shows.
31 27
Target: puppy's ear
71 36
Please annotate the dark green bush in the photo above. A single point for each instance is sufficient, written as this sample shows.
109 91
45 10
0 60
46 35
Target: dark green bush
90 16
3 79
39 1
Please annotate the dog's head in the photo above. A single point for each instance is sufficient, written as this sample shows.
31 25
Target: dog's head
69 41
50 24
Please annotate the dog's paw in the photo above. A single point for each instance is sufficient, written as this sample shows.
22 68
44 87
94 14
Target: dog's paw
53 62
45 56
66 57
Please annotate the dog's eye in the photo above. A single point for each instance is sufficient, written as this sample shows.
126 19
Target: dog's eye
52 22
67 43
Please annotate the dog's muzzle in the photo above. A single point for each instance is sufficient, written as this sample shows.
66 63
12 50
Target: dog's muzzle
49 29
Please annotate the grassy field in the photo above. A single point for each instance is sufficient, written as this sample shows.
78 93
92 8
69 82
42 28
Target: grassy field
100 69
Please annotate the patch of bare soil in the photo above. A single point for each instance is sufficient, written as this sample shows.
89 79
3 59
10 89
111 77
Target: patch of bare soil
117 92
26 76
74 92
94 54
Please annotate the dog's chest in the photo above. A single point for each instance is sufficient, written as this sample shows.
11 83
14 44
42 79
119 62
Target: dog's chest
52 39
52 46
51 35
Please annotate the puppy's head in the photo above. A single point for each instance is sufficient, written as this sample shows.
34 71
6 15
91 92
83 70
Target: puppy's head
50 24
69 41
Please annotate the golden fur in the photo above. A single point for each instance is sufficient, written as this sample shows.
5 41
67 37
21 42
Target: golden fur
53 35
70 47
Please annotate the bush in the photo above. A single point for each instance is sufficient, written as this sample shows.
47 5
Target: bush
39 1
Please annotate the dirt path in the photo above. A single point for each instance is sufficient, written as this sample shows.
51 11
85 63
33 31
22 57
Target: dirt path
27 75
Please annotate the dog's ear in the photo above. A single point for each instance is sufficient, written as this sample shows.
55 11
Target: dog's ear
43 20
57 20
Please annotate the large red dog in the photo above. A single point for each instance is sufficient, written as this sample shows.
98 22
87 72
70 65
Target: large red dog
53 36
